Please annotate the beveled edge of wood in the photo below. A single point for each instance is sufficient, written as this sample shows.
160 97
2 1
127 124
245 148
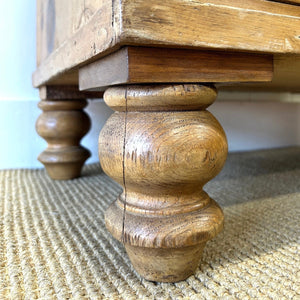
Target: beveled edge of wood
132 65
111 70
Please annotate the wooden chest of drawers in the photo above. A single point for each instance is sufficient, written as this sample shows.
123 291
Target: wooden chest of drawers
160 64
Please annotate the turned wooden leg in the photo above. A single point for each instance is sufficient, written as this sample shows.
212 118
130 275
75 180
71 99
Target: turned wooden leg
62 124
163 146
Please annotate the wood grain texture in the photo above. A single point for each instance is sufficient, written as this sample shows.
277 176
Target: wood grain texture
212 25
163 157
62 124
98 35
285 78
215 24
162 65
59 20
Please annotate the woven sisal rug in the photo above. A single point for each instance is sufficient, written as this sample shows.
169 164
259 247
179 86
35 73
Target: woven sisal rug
54 245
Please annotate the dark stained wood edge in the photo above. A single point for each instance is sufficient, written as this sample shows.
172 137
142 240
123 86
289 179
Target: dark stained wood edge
293 2
132 65
181 65
66 92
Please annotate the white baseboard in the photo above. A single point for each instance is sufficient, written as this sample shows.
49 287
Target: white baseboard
286 97
258 125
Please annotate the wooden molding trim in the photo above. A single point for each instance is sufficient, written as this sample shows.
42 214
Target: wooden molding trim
162 65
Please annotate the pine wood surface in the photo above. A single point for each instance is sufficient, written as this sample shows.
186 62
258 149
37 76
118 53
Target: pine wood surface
60 52
59 20
256 25
265 26
285 78
162 146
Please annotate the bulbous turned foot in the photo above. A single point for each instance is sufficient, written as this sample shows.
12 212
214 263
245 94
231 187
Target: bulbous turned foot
62 124
163 146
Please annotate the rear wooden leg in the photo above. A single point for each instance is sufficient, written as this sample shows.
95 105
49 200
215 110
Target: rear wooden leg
163 146
62 124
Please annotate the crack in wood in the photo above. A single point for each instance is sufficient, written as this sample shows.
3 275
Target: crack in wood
123 167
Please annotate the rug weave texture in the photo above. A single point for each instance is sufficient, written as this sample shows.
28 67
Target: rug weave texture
54 245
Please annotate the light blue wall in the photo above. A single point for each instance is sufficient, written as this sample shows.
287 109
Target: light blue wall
20 145
17 96
17 51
